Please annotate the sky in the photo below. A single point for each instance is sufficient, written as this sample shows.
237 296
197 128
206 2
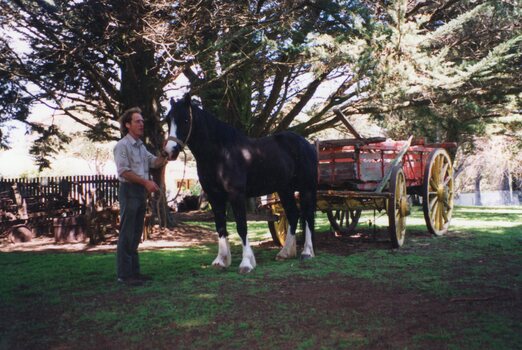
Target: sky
17 160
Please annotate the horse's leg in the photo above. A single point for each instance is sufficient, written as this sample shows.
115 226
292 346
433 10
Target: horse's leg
289 250
248 263
307 202
224 257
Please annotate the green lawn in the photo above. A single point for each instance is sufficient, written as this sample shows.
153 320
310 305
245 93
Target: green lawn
460 291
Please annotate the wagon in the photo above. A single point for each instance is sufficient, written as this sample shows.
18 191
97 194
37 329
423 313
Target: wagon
378 174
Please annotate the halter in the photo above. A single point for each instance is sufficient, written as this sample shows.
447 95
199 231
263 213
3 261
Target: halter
178 141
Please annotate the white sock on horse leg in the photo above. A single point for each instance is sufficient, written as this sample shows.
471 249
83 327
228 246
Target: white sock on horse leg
224 257
308 249
249 260
289 250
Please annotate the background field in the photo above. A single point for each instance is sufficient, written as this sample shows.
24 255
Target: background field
461 291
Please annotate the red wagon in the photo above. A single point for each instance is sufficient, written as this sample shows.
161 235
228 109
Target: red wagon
361 174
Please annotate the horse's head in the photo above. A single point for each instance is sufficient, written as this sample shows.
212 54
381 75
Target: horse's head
179 120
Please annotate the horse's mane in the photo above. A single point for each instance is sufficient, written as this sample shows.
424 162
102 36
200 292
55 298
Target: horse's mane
216 129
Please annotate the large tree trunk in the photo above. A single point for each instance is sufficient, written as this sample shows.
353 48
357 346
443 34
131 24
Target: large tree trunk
141 87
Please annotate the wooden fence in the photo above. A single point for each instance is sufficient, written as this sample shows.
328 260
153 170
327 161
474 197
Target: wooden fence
71 208
60 192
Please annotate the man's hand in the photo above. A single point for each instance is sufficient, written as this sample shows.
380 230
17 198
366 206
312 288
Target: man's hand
162 159
151 186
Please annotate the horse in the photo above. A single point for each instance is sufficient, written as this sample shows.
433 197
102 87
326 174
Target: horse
232 167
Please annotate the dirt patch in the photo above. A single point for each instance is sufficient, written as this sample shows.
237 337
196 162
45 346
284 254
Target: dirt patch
355 304
182 235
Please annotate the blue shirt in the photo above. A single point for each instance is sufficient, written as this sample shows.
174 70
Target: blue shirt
131 154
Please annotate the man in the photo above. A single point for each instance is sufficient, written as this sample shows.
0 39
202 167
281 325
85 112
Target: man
133 162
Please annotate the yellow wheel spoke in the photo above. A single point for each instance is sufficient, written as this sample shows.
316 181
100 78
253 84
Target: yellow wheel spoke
433 213
436 168
446 204
440 174
438 217
432 203
444 170
445 216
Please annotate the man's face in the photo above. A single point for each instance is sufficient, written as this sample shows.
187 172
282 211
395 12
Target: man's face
136 126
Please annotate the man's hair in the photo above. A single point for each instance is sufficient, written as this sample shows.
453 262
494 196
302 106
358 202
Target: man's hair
126 117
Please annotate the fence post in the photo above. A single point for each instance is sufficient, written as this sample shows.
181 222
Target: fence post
20 203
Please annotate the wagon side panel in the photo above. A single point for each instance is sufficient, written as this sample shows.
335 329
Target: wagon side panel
336 165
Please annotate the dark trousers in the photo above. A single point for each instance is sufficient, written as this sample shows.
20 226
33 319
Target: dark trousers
133 199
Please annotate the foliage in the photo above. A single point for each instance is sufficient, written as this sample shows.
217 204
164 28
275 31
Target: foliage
100 57
86 60
432 68
495 161
444 69
258 65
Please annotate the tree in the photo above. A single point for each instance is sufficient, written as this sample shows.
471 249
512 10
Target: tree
255 64
261 62
259 65
444 69
435 68
85 58
494 163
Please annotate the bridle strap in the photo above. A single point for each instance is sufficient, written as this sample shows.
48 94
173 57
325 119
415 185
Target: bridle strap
178 141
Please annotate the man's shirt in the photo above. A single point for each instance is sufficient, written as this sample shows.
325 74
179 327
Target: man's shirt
131 154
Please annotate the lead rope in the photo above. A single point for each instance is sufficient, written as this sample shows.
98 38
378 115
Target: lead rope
183 177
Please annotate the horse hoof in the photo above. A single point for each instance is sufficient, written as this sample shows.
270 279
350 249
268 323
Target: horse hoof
245 270
306 257
280 257
218 266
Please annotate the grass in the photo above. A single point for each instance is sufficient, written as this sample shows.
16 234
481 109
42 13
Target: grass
57 300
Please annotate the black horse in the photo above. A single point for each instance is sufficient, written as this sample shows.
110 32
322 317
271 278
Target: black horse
232 167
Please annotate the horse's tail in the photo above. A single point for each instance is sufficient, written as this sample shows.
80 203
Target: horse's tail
307 173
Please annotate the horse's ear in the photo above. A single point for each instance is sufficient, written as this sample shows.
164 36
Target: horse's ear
188 99
172 101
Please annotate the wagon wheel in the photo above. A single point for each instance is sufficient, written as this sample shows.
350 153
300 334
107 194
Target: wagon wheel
397 207
344 221
278 229
437 192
